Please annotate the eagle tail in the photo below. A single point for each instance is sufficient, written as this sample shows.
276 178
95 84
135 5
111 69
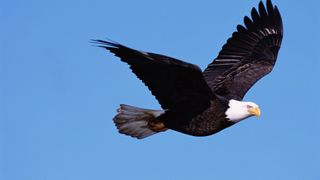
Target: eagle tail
137 122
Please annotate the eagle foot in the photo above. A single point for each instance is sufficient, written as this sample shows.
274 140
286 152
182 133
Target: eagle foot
157 126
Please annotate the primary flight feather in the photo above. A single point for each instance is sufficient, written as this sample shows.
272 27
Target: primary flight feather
202 103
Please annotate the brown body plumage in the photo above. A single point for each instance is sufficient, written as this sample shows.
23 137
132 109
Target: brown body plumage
210 121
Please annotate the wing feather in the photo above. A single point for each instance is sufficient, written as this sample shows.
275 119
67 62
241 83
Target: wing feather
248 55
170 80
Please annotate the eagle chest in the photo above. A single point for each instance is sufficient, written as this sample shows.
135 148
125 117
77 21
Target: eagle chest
211 121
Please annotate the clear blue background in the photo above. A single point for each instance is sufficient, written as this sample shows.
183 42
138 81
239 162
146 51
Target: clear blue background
58 93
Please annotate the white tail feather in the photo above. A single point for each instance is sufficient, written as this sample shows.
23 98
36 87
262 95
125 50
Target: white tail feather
133 121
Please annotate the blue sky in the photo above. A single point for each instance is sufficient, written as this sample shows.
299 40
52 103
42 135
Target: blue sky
58 93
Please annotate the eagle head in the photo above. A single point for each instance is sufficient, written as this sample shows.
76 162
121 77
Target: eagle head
239 110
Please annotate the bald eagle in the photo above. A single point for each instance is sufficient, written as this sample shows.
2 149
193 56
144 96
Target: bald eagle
201 103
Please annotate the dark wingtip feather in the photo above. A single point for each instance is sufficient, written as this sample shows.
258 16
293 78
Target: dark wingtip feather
105 43
269 7
109 45
240 28
248 23
278 16
262 10
255 15
266 15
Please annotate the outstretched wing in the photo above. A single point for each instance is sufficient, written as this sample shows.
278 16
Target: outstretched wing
248 55
170 80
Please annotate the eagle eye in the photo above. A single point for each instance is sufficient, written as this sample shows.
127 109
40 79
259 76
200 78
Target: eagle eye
249 106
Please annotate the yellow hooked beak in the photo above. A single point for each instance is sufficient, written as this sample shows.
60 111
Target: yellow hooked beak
255 111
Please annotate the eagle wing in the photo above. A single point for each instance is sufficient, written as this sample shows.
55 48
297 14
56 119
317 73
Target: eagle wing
173 82
248 55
